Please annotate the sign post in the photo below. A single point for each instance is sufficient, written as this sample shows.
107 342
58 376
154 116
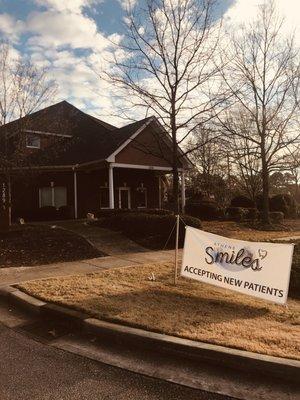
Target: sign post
176 249
254 268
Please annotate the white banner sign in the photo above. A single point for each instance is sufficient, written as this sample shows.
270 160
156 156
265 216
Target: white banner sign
255 268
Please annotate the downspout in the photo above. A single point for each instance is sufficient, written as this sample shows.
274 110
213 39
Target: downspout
75 191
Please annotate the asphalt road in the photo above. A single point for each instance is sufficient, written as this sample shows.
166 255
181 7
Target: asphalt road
30 370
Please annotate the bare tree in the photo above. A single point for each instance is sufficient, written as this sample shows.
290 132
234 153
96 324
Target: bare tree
24 89
165 65
209 157
244 157
289 175
263 75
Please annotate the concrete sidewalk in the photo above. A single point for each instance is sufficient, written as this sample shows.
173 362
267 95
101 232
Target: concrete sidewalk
9 276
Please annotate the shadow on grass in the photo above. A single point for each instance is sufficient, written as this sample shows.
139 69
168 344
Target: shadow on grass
158 310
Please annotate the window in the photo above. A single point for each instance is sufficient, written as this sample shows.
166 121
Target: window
60 196
46 197
104 197
55 196
141 198
33 142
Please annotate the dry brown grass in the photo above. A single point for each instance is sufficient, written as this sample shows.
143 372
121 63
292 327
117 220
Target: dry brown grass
240 231
190 310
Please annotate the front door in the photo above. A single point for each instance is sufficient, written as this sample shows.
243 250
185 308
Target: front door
124 197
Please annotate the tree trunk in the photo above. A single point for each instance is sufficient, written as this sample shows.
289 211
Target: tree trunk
175 192
176 189
265 184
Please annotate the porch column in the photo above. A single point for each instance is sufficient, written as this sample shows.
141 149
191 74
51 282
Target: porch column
159 191
75 195
111 186
182 192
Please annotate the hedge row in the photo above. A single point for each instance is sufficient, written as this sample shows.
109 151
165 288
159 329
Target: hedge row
104 213
252 214
205 210
284 203
295 273
151 229
51 213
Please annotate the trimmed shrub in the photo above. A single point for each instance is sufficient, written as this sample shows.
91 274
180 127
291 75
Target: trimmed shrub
277 217
284 203
236 213
295 273
117 211
206 210
156 211
242 201
150 229
259 202
105 213
47 213
66 212
252 214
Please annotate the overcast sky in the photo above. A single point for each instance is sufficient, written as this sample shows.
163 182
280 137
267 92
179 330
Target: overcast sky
67 35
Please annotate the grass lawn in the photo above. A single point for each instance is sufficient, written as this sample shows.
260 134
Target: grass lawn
242 231
30 245
190 310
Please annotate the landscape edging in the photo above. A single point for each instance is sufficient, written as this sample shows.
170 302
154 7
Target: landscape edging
287 369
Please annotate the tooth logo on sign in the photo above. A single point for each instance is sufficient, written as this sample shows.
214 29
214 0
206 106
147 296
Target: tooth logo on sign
262 253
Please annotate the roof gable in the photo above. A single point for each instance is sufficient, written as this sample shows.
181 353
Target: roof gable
91 139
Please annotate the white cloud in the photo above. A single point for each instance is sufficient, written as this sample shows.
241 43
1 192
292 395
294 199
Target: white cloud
10 28
53 29
74 6
245 11
127 4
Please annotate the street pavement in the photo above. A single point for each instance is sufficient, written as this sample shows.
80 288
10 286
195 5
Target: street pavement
30 370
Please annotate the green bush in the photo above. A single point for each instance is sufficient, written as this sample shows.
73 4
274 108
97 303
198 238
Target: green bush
277 217
242 201
259 201
47 213
156 211
252 214
206 209
66 212
104 213
295 273
236 213
284 203
151 230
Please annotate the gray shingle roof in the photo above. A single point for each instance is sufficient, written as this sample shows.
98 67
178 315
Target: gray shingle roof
92 139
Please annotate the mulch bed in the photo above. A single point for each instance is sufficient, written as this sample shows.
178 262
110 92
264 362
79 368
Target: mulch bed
31 245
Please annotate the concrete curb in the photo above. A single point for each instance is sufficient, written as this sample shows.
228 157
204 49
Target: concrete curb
283 368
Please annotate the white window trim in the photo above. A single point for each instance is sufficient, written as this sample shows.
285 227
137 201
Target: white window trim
28 146
129 196
47 133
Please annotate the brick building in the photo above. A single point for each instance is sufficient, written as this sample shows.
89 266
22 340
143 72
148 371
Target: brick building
82 164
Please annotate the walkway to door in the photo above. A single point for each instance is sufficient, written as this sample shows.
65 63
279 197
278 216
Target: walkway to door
105 240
